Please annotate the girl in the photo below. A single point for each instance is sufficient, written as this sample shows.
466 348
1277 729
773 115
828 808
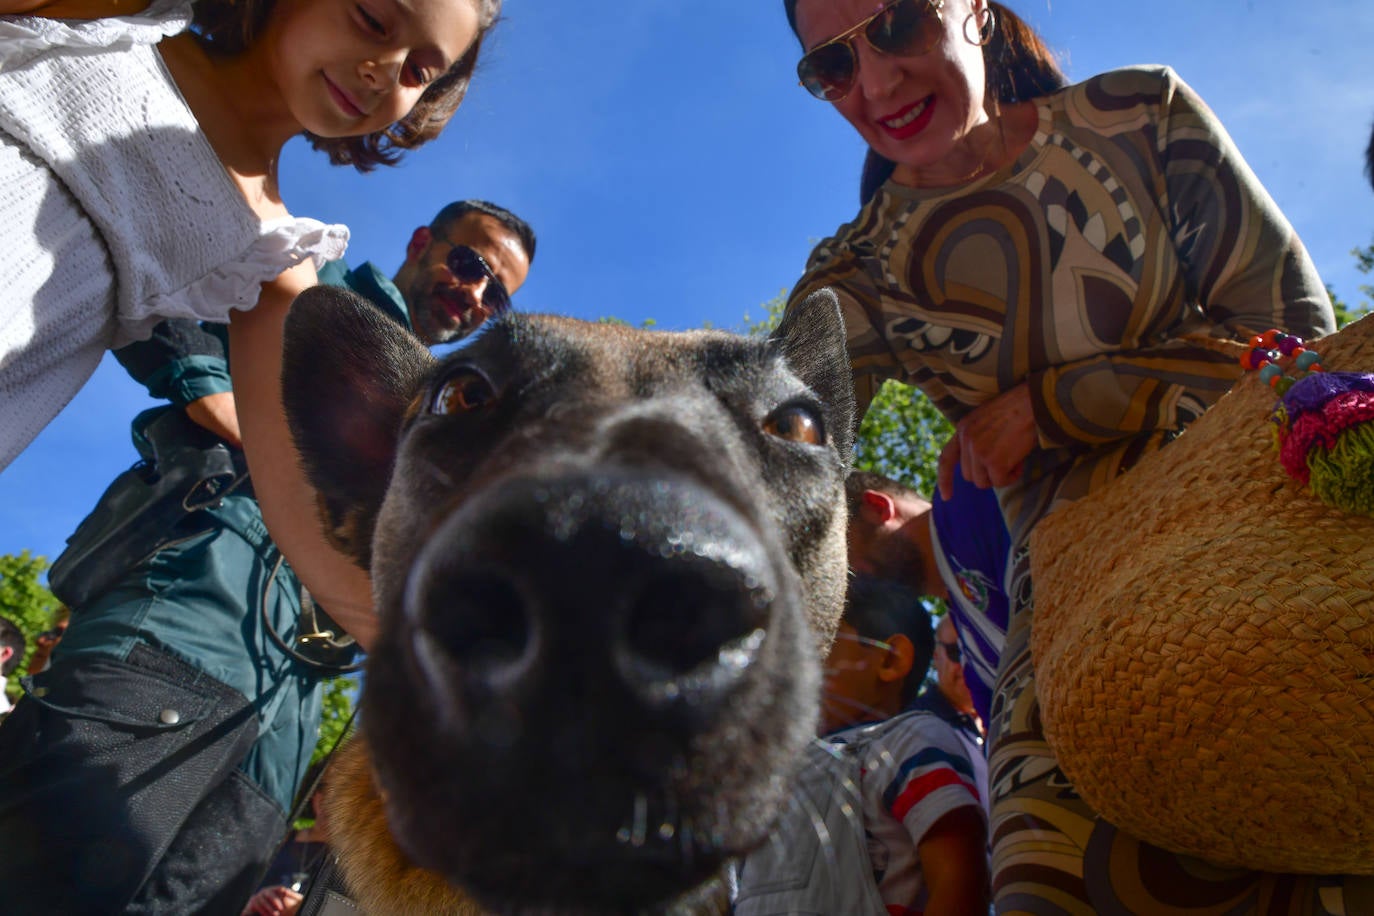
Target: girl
137 175
1038 259
138 181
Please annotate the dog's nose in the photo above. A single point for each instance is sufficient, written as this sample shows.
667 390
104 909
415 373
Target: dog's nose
644 592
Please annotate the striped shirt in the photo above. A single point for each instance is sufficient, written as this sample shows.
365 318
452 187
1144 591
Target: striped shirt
915 771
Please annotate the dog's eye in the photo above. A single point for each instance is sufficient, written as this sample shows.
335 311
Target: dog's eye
464 391
795 423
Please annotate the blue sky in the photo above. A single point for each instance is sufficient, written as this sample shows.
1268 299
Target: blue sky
674 170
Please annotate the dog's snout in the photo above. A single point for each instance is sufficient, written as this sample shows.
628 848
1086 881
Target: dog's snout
647 592
481 621
690 631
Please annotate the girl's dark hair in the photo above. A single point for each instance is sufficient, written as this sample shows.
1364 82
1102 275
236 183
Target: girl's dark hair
231 26
1019 66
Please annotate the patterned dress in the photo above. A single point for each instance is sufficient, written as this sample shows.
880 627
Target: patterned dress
1093 269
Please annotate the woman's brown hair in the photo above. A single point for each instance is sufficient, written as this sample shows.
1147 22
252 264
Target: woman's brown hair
231 26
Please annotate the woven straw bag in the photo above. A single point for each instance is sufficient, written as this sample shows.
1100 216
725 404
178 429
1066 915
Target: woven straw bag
1203 644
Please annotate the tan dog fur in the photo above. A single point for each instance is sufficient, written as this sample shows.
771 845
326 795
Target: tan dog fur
382 879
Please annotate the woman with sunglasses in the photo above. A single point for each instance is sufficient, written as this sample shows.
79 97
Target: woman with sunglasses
1047 262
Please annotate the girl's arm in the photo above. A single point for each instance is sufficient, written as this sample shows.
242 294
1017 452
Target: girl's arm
72 9
288 500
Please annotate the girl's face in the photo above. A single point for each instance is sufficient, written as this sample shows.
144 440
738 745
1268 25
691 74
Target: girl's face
913 110
347 68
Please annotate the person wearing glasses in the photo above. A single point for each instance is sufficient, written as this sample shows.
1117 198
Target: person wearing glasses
949 697
458 271
956 549
1052 265
224 703
918 783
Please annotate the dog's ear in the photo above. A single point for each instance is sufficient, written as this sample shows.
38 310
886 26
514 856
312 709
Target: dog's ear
811 335
348 375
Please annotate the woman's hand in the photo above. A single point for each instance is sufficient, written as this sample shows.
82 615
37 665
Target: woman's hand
991 443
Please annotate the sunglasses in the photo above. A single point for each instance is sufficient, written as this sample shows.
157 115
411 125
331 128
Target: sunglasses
470 267
951 651
903 28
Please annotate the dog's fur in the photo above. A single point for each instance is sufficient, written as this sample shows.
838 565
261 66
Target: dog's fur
606 561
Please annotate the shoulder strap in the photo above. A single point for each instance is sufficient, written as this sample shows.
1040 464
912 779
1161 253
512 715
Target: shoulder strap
328 894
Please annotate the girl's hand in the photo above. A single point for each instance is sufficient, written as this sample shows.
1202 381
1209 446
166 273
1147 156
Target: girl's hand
289 503
991 443
216 413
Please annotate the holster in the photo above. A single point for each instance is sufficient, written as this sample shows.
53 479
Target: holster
183 468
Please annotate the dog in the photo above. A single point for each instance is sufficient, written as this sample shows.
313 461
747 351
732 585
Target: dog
607 562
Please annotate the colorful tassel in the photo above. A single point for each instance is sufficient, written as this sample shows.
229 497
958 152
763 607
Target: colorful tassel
1324 424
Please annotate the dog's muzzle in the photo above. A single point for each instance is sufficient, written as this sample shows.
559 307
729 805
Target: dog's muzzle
646 591
585 658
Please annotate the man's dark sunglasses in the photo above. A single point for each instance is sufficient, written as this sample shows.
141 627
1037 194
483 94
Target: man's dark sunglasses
470 267
951 651
903 28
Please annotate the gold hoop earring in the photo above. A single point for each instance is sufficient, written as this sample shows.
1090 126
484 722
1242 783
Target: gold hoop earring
985 29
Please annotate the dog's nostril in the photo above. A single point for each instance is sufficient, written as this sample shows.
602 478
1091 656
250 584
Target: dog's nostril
690 635
483 621
678 621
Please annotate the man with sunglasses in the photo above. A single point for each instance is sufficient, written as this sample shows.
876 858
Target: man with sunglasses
949 696
183 704
459 270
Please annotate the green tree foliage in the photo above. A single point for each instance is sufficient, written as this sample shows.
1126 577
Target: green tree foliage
901 437
24 600
1345 312
772 314
336 711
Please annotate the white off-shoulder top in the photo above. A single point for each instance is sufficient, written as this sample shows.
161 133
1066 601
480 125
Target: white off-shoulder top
114 210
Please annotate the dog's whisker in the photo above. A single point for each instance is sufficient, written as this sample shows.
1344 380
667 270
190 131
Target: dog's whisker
686 842
718 828
641 820
671 823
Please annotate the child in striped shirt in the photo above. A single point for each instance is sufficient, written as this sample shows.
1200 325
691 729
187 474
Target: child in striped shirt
923 785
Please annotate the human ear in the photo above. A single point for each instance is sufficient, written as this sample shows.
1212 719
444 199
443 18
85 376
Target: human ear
879 507
419 241
900 657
